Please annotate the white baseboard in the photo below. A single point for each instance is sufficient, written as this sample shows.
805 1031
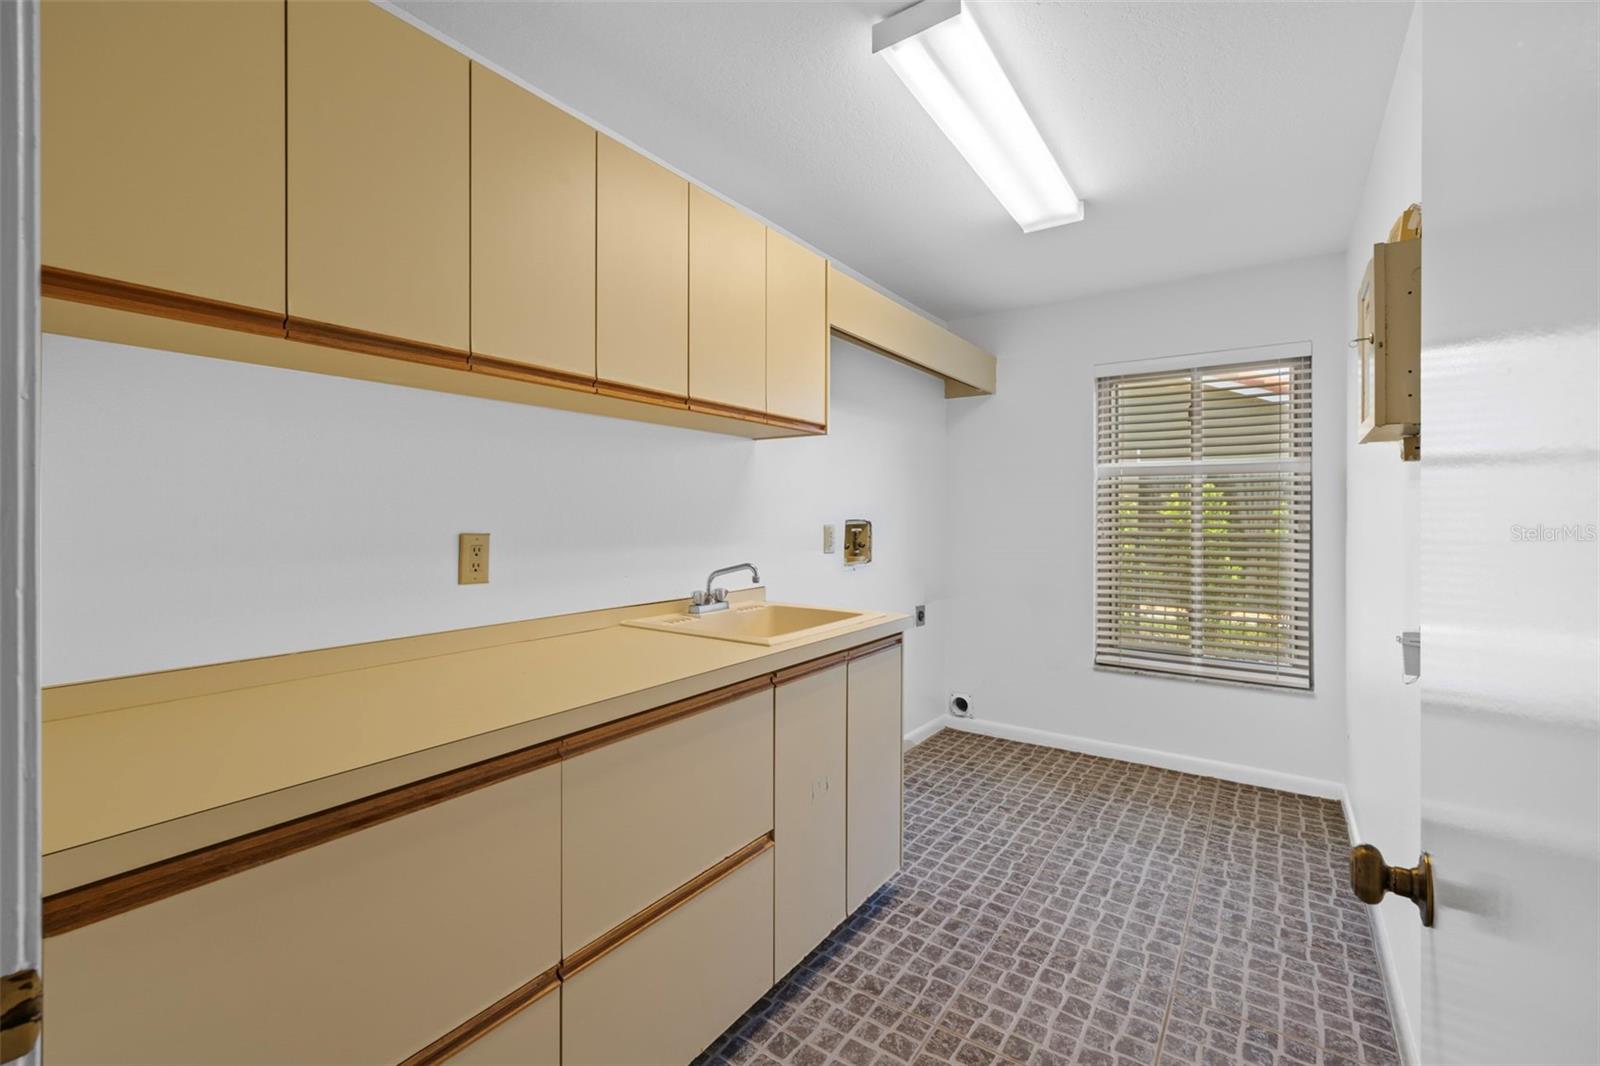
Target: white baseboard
1167 760
1405 1036
923 732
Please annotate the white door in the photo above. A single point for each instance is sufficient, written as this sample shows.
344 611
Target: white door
19 409
1510 564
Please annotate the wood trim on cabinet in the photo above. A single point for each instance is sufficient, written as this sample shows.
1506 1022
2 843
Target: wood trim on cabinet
538 375
795 423
810 667
623 728
328 335
91 289
876 646
623 391
501 1010
629 928
84 905
163 303
727 410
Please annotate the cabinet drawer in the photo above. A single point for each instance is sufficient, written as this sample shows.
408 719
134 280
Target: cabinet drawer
665 994
363 949
531 1037
644 815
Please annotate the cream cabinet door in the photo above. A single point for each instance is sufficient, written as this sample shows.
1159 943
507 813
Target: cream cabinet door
641 273
645 815
874 742
533 194
727 304
378 174
808 820
366 948
797 331
162 145
665 994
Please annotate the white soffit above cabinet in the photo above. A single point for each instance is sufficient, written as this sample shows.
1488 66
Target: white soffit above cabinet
1206 136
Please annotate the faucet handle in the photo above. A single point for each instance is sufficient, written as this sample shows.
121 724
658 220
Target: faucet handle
719 595
698 597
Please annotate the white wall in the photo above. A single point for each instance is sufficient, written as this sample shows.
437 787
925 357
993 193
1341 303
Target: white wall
1382 498
1019 631
197 510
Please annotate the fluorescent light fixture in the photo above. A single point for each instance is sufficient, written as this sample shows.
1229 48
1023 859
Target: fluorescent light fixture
938 51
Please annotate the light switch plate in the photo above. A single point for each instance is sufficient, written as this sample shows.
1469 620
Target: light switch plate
472 566
827 540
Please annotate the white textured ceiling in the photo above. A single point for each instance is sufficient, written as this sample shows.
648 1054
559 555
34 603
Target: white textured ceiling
1203 136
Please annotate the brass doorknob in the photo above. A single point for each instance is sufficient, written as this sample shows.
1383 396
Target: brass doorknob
1371 878
21 1013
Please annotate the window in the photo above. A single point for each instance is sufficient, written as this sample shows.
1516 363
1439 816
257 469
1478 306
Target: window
1203 522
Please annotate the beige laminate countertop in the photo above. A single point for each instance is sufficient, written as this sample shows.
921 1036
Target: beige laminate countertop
214 754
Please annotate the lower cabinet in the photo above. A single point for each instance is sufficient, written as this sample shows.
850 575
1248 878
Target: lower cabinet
665 994
531 1037
808 813
668 868
362 949
873 747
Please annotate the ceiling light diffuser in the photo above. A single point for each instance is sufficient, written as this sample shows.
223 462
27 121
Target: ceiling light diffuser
938 51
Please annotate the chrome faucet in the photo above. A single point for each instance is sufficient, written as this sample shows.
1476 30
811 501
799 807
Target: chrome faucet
711 599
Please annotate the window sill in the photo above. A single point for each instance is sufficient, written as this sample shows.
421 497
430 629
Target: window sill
1164 675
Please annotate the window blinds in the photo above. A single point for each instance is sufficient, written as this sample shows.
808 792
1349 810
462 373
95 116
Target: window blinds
1203 522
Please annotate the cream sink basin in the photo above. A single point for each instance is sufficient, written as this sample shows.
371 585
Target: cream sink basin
756 623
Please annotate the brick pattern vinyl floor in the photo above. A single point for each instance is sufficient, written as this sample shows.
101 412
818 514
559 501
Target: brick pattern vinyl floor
1060 908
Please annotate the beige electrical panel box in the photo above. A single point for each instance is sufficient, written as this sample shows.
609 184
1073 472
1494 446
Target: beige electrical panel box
1389 340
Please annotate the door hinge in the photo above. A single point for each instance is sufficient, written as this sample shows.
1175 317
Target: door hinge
21 1013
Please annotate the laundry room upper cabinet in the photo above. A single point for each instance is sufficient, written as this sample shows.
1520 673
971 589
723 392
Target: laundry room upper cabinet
162 144
797 331
378 180
727 305
533 196
641 276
